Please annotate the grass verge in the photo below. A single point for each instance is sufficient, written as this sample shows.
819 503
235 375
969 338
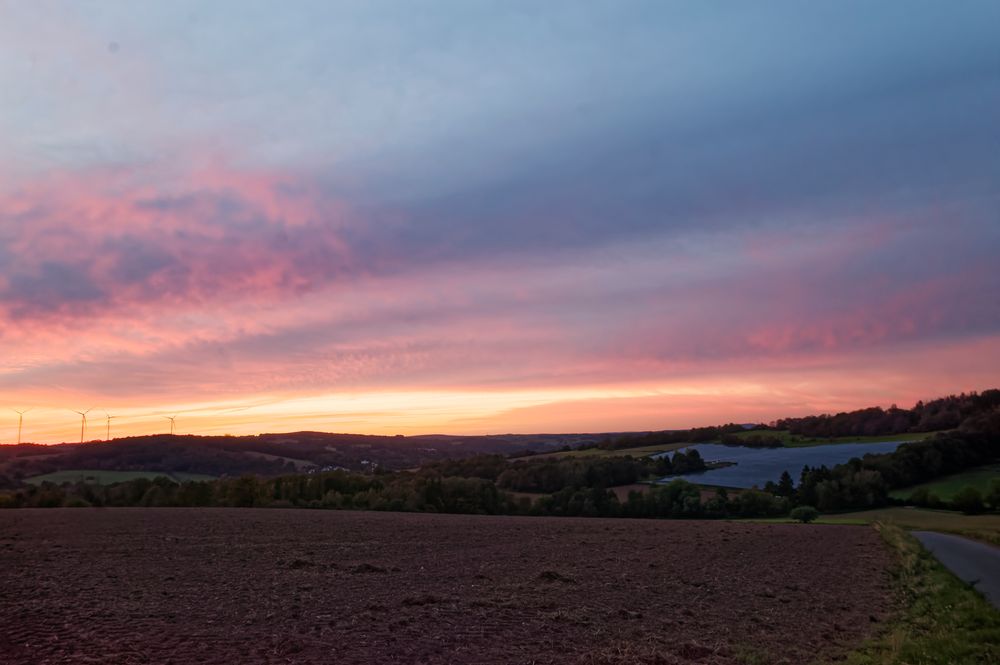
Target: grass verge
943 621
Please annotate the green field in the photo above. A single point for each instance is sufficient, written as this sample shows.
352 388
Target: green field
947 487
796 441
789 440
184 476
980 527
783 434
101 477
640 451
299 464
899 438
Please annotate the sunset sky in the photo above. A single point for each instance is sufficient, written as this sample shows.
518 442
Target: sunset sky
485 217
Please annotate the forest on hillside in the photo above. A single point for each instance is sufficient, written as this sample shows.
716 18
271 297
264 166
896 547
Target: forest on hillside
568 486
936 415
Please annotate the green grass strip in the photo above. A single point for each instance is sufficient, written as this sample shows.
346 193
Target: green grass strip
943 621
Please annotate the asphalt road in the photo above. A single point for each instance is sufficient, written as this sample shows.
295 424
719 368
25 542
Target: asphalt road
971 561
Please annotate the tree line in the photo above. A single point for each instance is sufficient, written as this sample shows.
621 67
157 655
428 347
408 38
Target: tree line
667 437
492 484
488 485
863 483
401 492
936 415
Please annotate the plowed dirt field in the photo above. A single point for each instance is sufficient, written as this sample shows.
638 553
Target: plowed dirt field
147 585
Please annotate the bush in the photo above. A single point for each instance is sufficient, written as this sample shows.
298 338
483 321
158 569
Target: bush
755 503
969 501
804 514
925 498
993 496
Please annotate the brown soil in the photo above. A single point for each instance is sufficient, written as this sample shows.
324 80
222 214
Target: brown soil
146 585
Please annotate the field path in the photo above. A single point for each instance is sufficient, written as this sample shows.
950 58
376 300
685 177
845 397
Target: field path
970 561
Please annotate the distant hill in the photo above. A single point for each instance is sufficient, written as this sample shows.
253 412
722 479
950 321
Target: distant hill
268 454
305 452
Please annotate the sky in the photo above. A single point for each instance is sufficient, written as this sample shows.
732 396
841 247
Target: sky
486 217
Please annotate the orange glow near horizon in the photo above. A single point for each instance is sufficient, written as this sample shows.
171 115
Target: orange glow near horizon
751 397
270 316
362 220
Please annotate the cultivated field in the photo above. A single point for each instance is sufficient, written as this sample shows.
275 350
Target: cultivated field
788 439
102 477
917 518
280 586
637 451
798 441
980 527
946 488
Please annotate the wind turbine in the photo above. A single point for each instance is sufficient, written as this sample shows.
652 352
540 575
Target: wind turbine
83 421
171 419
107 437
20 422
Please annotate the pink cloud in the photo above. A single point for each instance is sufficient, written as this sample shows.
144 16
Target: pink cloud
222 285
85 245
